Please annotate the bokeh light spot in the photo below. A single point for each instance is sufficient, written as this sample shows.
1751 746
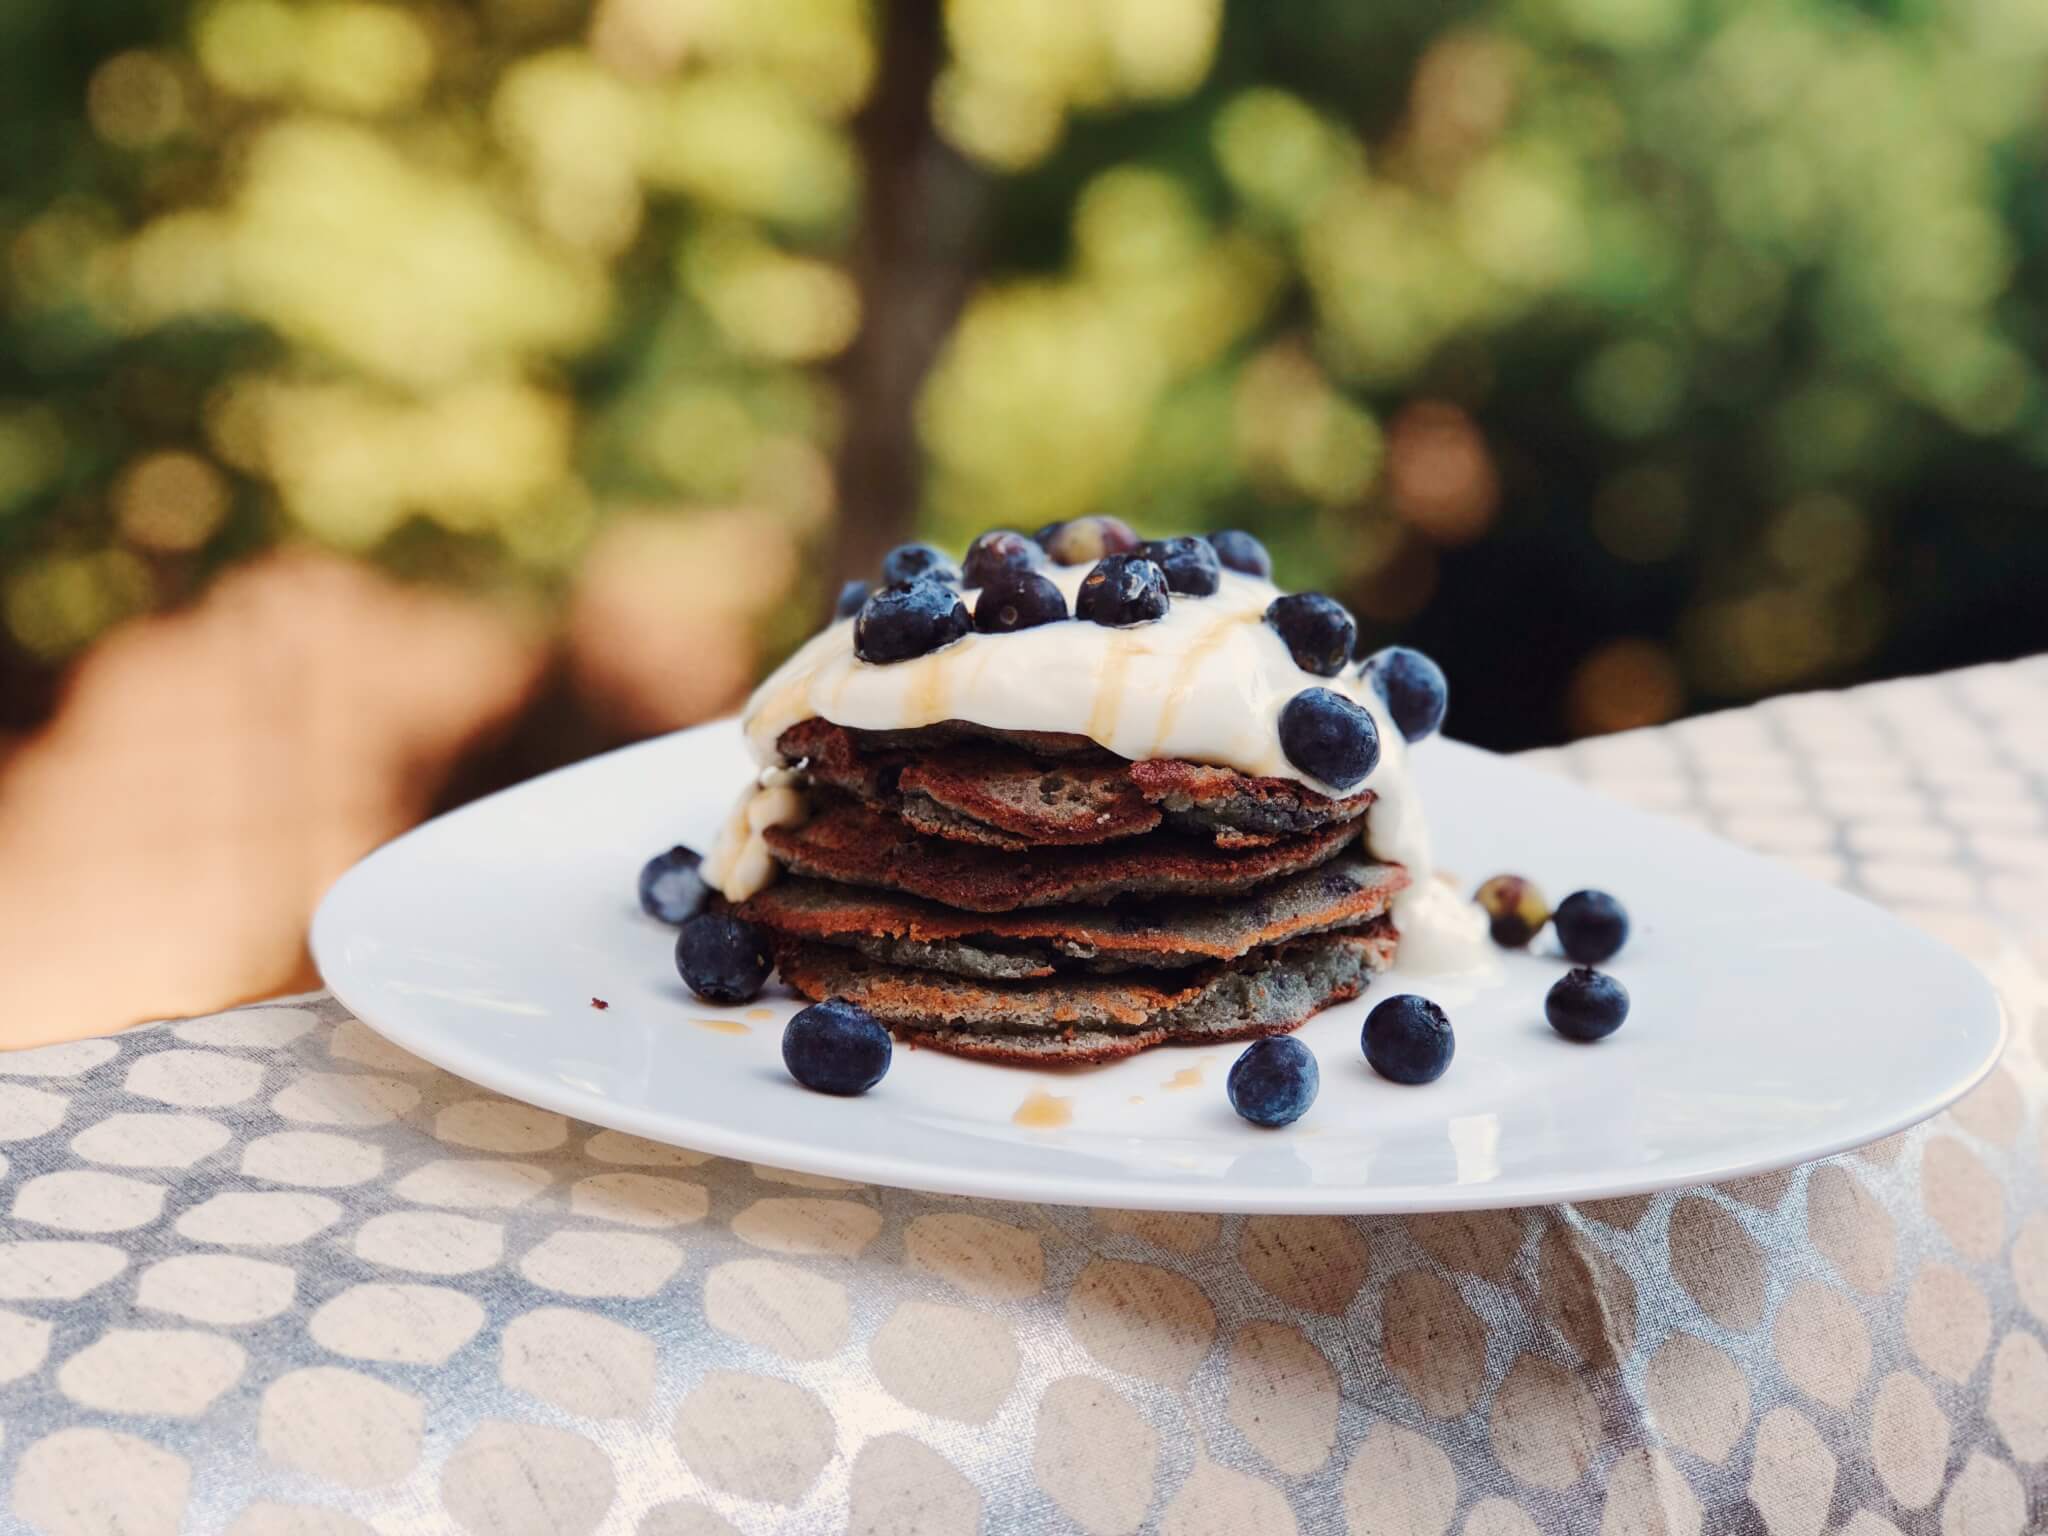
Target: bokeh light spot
57 603
135 100
1821 539
170 502
1277 153
1440 474
1632 388
31 452
1642 515
1622 685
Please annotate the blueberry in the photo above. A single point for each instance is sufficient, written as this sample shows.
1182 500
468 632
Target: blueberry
670 887
836 1047
1586 1004
1122 590
994 553
1018 600
1044 536
1408 1040
898 623
723 959
1591 925
917 562
1239 551
1087 538
1274 1081
1413 686
1325 734
851 596
1319 631
1190 564
1515 908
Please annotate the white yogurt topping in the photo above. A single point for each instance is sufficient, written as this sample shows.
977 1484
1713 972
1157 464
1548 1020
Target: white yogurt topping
1205 683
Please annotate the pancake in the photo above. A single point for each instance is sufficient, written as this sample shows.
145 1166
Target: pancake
1167 934
1006 794
857 845
1071 1021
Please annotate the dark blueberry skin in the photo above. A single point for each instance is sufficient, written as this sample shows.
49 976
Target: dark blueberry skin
1121 591
851 596
1408 1040
1319 631
1190 565
898 623
834 1047
670 887
1018 600
723 959
917 562
1239 551
1413 686
1325 734
995 553
1586 1004
1274 1081
1591 925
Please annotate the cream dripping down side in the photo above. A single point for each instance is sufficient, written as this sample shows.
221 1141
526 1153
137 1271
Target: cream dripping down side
1205 683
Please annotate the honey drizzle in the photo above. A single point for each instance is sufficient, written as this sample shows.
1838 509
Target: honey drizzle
925 702
1109 692
1184 684
723 1026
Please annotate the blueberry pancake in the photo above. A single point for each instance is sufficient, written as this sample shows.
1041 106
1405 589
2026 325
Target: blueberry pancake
1081 796
1167 934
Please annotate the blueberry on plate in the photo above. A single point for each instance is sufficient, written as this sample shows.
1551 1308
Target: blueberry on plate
723 959
1319 631
1083 539
917 562
1408 1039
996 552
1121 591
1274 1081
1239 551
1591 925
1413 686
670 887
1017 600
1190 565
851 596
836 1047
1586 1004
1326 735
898 623
1515 910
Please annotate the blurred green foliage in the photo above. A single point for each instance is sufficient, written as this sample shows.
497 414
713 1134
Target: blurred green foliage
1633 355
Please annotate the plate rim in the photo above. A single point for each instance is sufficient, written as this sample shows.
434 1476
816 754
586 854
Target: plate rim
1022 1186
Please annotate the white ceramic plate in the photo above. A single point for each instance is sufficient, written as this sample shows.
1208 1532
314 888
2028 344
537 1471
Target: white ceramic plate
1775 1020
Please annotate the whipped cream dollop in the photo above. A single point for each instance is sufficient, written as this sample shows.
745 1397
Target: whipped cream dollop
1205 683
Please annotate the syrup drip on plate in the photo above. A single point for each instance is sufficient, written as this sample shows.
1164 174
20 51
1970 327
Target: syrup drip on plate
1043 1111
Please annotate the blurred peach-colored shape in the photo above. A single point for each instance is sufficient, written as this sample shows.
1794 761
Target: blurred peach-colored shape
662 621
207 774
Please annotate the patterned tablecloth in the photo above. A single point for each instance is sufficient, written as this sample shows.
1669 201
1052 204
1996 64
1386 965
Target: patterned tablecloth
263 1273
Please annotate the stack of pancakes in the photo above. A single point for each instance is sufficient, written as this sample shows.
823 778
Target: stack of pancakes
1032 898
